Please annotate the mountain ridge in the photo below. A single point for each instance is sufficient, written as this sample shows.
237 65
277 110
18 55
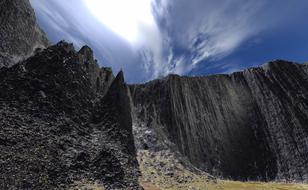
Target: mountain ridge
60 127
67 121
176 105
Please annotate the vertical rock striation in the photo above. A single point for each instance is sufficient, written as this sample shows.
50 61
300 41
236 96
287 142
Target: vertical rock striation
20 35
280 90
247 125
65 120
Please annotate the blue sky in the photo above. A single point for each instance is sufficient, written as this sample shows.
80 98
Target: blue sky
196 37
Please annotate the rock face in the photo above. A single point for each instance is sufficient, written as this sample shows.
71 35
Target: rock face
247 125
64 120
20 36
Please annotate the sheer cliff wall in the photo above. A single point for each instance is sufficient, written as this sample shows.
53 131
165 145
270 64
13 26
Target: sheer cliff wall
247 125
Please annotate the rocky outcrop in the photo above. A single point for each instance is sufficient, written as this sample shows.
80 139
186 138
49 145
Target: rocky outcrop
112 114
63 121
98 76
20 36
66 121
247 125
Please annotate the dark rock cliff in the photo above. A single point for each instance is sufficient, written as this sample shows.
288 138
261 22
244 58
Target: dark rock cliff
247 125
20 36
64 120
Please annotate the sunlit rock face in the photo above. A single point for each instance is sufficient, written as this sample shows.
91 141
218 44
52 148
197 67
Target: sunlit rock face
20 36
65 120
247 125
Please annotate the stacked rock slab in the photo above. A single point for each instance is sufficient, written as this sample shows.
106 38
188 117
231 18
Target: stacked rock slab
20 35
58 127
250 125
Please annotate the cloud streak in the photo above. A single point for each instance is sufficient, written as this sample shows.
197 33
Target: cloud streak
184 35
204 31
199 30
70 20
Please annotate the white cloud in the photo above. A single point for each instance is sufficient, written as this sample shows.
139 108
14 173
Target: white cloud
184 33
71 21
203 30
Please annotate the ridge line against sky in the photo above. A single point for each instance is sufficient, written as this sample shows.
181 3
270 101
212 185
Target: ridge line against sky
196 37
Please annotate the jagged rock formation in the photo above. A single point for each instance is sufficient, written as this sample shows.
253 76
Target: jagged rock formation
64 120
20 36
247 125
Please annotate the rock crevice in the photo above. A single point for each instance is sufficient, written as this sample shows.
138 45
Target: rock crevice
250 125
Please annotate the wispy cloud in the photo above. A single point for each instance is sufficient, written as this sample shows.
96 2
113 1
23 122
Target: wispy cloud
184 35
70 20
198 30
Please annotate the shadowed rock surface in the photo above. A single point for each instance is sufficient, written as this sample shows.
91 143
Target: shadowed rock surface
65 120
20 36
247 125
